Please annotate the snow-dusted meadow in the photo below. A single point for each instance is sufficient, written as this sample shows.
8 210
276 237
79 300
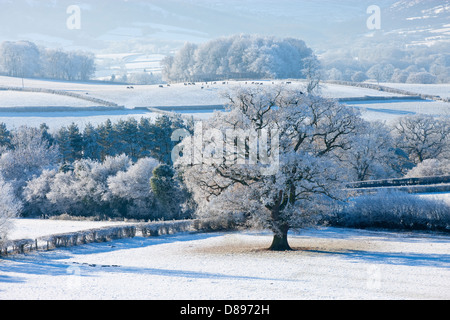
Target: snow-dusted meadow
329 263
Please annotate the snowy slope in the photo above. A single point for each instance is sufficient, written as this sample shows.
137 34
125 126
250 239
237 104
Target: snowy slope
332 264
442 90
18 99
35 228
421 21
164 25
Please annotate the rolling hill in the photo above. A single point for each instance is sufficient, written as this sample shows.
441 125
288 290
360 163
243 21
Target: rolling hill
164 25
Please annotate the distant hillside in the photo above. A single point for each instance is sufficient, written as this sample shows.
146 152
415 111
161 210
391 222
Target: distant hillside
161 26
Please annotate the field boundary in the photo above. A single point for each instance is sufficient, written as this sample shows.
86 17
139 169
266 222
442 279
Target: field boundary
105 234
63 93
388 89
409 185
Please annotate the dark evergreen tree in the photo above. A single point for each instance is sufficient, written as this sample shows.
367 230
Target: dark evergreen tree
106 139
162 137
146 130
92 149
46 136
166 190
70 143
126 138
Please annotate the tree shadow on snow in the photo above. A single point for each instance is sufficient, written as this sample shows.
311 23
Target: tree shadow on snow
393 258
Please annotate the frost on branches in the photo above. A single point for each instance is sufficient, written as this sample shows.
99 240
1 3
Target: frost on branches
228 179
9 208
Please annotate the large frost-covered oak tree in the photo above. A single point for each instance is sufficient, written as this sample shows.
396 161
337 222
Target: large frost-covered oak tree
295 173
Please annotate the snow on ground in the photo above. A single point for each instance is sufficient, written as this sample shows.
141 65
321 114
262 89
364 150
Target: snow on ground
35 228
177 94
389 111
181 97
441 196
328 264
340 91
109 64
442 90
55 120
10 99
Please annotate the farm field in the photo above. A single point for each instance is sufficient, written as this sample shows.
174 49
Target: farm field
225 152
329 263
18 99
442 90
177 94
182 98
35 228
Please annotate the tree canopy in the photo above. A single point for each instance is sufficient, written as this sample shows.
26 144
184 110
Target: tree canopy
238 57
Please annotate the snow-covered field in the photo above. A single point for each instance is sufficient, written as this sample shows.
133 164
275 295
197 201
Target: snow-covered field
180 96
329 263
35 228
442 90
391 110
18 99
441 196
108 64
56 120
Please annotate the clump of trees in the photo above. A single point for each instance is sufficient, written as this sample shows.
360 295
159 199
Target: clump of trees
136 139
114 188
252 57
304 137
26 59
114 170
388 63
10 207
238 57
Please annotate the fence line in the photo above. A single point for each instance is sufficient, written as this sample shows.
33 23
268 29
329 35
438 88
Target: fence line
409 185
388 89
62 93
105 234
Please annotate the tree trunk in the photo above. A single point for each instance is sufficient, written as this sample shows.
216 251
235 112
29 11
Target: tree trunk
280 241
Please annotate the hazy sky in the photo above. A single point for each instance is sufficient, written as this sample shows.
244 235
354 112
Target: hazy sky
124 24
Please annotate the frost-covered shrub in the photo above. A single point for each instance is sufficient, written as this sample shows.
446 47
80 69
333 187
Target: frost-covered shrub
30 153
430 168
114 188
359 77
422 77
396 210
35 192
131 190
171 196
10 207
239 57
78 190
